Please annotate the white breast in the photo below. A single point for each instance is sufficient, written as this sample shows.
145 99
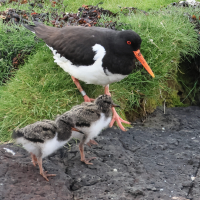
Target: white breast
92 74
46 148
95 128
52 145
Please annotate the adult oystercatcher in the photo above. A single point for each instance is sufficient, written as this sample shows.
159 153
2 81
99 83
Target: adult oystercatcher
43 138
89 118
94 55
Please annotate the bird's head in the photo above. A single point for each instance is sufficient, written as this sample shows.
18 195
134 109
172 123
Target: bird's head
105 103
129 42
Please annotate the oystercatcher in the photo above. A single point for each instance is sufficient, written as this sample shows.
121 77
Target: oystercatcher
94 55
89 118
43 138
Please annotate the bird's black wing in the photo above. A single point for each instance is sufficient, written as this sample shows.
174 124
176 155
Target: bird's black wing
72 42
37 132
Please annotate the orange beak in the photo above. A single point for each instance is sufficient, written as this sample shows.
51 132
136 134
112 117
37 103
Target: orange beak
139 56
75 129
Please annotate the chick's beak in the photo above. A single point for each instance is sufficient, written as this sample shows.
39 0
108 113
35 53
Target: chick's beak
75 129
139 56
115 105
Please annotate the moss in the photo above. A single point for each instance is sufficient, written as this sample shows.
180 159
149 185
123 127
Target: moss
172 98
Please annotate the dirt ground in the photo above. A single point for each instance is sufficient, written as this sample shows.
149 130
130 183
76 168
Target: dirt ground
157 159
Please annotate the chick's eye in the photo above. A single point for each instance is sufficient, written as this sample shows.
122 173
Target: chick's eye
129 42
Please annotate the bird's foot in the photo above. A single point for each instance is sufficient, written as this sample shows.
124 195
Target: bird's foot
87 161
45 175
118 119
87 99
92 142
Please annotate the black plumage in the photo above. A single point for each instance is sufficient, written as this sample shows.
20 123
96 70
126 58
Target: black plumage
75 44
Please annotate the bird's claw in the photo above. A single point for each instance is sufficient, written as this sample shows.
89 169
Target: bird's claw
45 175
87 161
118 119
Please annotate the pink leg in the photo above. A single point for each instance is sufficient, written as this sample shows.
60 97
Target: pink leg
107 90
115 117
42 172
83 159
34 159
86 98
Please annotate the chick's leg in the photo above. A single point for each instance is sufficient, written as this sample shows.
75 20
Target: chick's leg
83 159
34 159
42 172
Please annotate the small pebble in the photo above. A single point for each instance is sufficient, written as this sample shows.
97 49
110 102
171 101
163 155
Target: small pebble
10 151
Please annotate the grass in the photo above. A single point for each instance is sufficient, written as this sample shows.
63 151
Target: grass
112 5
41 89
12 43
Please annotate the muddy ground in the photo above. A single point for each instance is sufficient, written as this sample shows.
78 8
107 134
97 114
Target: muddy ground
157 159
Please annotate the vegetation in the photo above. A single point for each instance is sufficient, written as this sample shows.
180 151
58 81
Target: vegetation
112 5
41 89
12 43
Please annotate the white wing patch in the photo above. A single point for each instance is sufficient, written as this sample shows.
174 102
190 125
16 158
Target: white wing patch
92 74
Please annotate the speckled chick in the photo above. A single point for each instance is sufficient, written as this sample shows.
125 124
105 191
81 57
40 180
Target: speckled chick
90 118
43 138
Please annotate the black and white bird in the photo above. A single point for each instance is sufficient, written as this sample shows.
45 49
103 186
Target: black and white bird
94 55
43 138
89 118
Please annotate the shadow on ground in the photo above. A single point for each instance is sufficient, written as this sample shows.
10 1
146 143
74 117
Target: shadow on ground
158 159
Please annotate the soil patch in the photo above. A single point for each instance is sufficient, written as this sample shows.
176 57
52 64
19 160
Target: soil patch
158 159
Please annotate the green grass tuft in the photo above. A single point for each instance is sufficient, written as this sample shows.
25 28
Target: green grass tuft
12 43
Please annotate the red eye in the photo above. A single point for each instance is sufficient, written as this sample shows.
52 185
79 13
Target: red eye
129 42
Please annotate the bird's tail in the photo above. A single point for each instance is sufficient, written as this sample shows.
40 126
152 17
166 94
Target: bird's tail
17 134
